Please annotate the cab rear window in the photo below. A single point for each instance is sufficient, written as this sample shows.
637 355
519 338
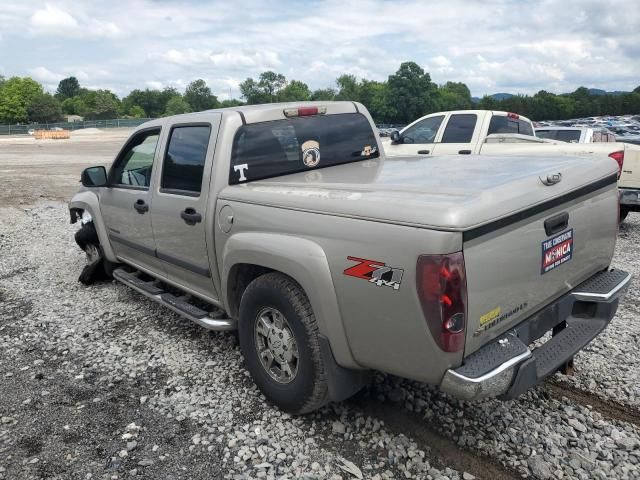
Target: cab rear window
281 147
504 124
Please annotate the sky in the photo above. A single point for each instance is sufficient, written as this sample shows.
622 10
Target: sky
491 45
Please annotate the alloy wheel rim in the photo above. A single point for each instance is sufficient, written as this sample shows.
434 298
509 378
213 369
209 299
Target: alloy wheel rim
276 346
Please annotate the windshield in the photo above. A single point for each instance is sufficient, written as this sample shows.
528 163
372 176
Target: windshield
280 147
504 124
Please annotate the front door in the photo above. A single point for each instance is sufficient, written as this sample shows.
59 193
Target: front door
417 139
180 205
126 203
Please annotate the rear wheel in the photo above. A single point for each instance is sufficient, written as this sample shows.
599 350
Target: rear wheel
624 211
279 342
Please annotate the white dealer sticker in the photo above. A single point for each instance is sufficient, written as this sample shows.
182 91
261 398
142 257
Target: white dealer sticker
556 251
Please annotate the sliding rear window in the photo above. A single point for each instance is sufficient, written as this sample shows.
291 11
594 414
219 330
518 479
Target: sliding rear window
281 147
504 124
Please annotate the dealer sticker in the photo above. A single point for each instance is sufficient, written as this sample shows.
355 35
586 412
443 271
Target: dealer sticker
556 251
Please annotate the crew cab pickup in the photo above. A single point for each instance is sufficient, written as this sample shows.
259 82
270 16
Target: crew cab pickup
485 132
287 222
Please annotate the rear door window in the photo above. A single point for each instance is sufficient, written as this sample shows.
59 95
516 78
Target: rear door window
184 160
281 147
505 124
460 128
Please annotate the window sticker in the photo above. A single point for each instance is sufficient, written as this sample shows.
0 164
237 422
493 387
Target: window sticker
368 150
241 169
311 153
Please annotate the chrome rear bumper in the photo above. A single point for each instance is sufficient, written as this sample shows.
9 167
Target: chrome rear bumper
507 367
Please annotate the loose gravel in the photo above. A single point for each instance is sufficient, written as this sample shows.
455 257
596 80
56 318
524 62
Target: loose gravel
98 382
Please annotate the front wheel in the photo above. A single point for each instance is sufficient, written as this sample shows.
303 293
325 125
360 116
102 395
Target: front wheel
279 341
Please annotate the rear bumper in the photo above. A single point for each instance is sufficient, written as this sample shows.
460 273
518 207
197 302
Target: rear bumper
630 197
507 367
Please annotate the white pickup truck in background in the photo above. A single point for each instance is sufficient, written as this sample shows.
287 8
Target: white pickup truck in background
485 132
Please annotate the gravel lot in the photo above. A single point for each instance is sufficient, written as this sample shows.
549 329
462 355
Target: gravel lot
98 382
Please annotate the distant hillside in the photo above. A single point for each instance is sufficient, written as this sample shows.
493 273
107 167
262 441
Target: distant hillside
592 91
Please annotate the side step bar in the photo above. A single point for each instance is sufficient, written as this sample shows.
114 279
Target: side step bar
153 289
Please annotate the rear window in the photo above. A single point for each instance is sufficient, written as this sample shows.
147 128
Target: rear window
280 147
460 128
504 124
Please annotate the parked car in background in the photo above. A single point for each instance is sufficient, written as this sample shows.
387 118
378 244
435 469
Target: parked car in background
287 222
485 132
575 134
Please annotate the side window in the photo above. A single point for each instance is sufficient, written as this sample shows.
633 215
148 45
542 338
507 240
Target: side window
184 161
424 131
460 128
133 167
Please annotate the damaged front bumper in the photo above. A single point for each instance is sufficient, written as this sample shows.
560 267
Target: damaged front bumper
507 367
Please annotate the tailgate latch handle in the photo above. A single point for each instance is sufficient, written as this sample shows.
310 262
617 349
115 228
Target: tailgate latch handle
556 224
551 179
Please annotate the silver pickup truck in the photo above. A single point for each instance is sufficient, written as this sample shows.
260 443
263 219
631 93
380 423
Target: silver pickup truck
286 222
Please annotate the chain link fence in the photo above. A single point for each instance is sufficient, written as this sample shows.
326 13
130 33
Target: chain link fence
115 123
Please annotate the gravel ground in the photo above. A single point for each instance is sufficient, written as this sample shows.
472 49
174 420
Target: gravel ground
99 382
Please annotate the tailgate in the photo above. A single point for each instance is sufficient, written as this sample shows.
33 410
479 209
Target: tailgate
516 265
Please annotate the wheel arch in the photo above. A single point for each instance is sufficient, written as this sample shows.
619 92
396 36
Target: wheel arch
250 254
88 201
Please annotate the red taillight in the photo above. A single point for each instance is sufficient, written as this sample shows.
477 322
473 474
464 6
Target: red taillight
618 157
515 116
304 111
442 288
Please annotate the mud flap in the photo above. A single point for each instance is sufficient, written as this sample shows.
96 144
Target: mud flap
343 382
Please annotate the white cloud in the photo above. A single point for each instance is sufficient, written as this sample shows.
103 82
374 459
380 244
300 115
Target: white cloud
53 21
43 74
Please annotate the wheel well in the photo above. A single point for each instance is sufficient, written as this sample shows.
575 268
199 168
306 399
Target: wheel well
240 276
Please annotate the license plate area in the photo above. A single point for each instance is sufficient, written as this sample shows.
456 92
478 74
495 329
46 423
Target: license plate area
556 251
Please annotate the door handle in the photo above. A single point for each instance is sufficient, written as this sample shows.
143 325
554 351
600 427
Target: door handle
464 152
423 152
190 216
556 224
141 206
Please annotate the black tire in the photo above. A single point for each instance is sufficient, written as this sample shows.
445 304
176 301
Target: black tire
308 390
87 235
624 211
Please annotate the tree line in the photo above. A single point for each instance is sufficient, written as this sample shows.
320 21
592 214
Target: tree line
406 95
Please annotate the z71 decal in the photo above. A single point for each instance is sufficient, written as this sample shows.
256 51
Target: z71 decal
556 251
375 272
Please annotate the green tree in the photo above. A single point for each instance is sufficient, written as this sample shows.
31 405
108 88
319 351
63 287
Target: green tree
199 97
68 88
137 111
453 96
176 106
412 93
375 96
324 94
16 95
73 106
44 108
295 91
3 80
264 90
99 104
348 88
231 102
153 102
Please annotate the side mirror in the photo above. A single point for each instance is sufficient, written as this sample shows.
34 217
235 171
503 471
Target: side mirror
94 177
395 137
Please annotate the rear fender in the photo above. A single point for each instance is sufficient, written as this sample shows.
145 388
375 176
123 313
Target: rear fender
304 261
88 201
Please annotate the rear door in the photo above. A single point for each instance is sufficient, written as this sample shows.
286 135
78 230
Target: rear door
461 135
126 204
180 204
418 138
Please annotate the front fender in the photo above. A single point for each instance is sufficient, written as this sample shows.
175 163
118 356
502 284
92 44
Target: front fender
88 200
304 261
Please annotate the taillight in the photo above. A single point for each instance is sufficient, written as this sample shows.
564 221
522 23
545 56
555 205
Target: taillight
442 288
304 111
618 157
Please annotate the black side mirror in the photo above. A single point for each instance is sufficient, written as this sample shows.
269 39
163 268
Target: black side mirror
395 137
94 177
